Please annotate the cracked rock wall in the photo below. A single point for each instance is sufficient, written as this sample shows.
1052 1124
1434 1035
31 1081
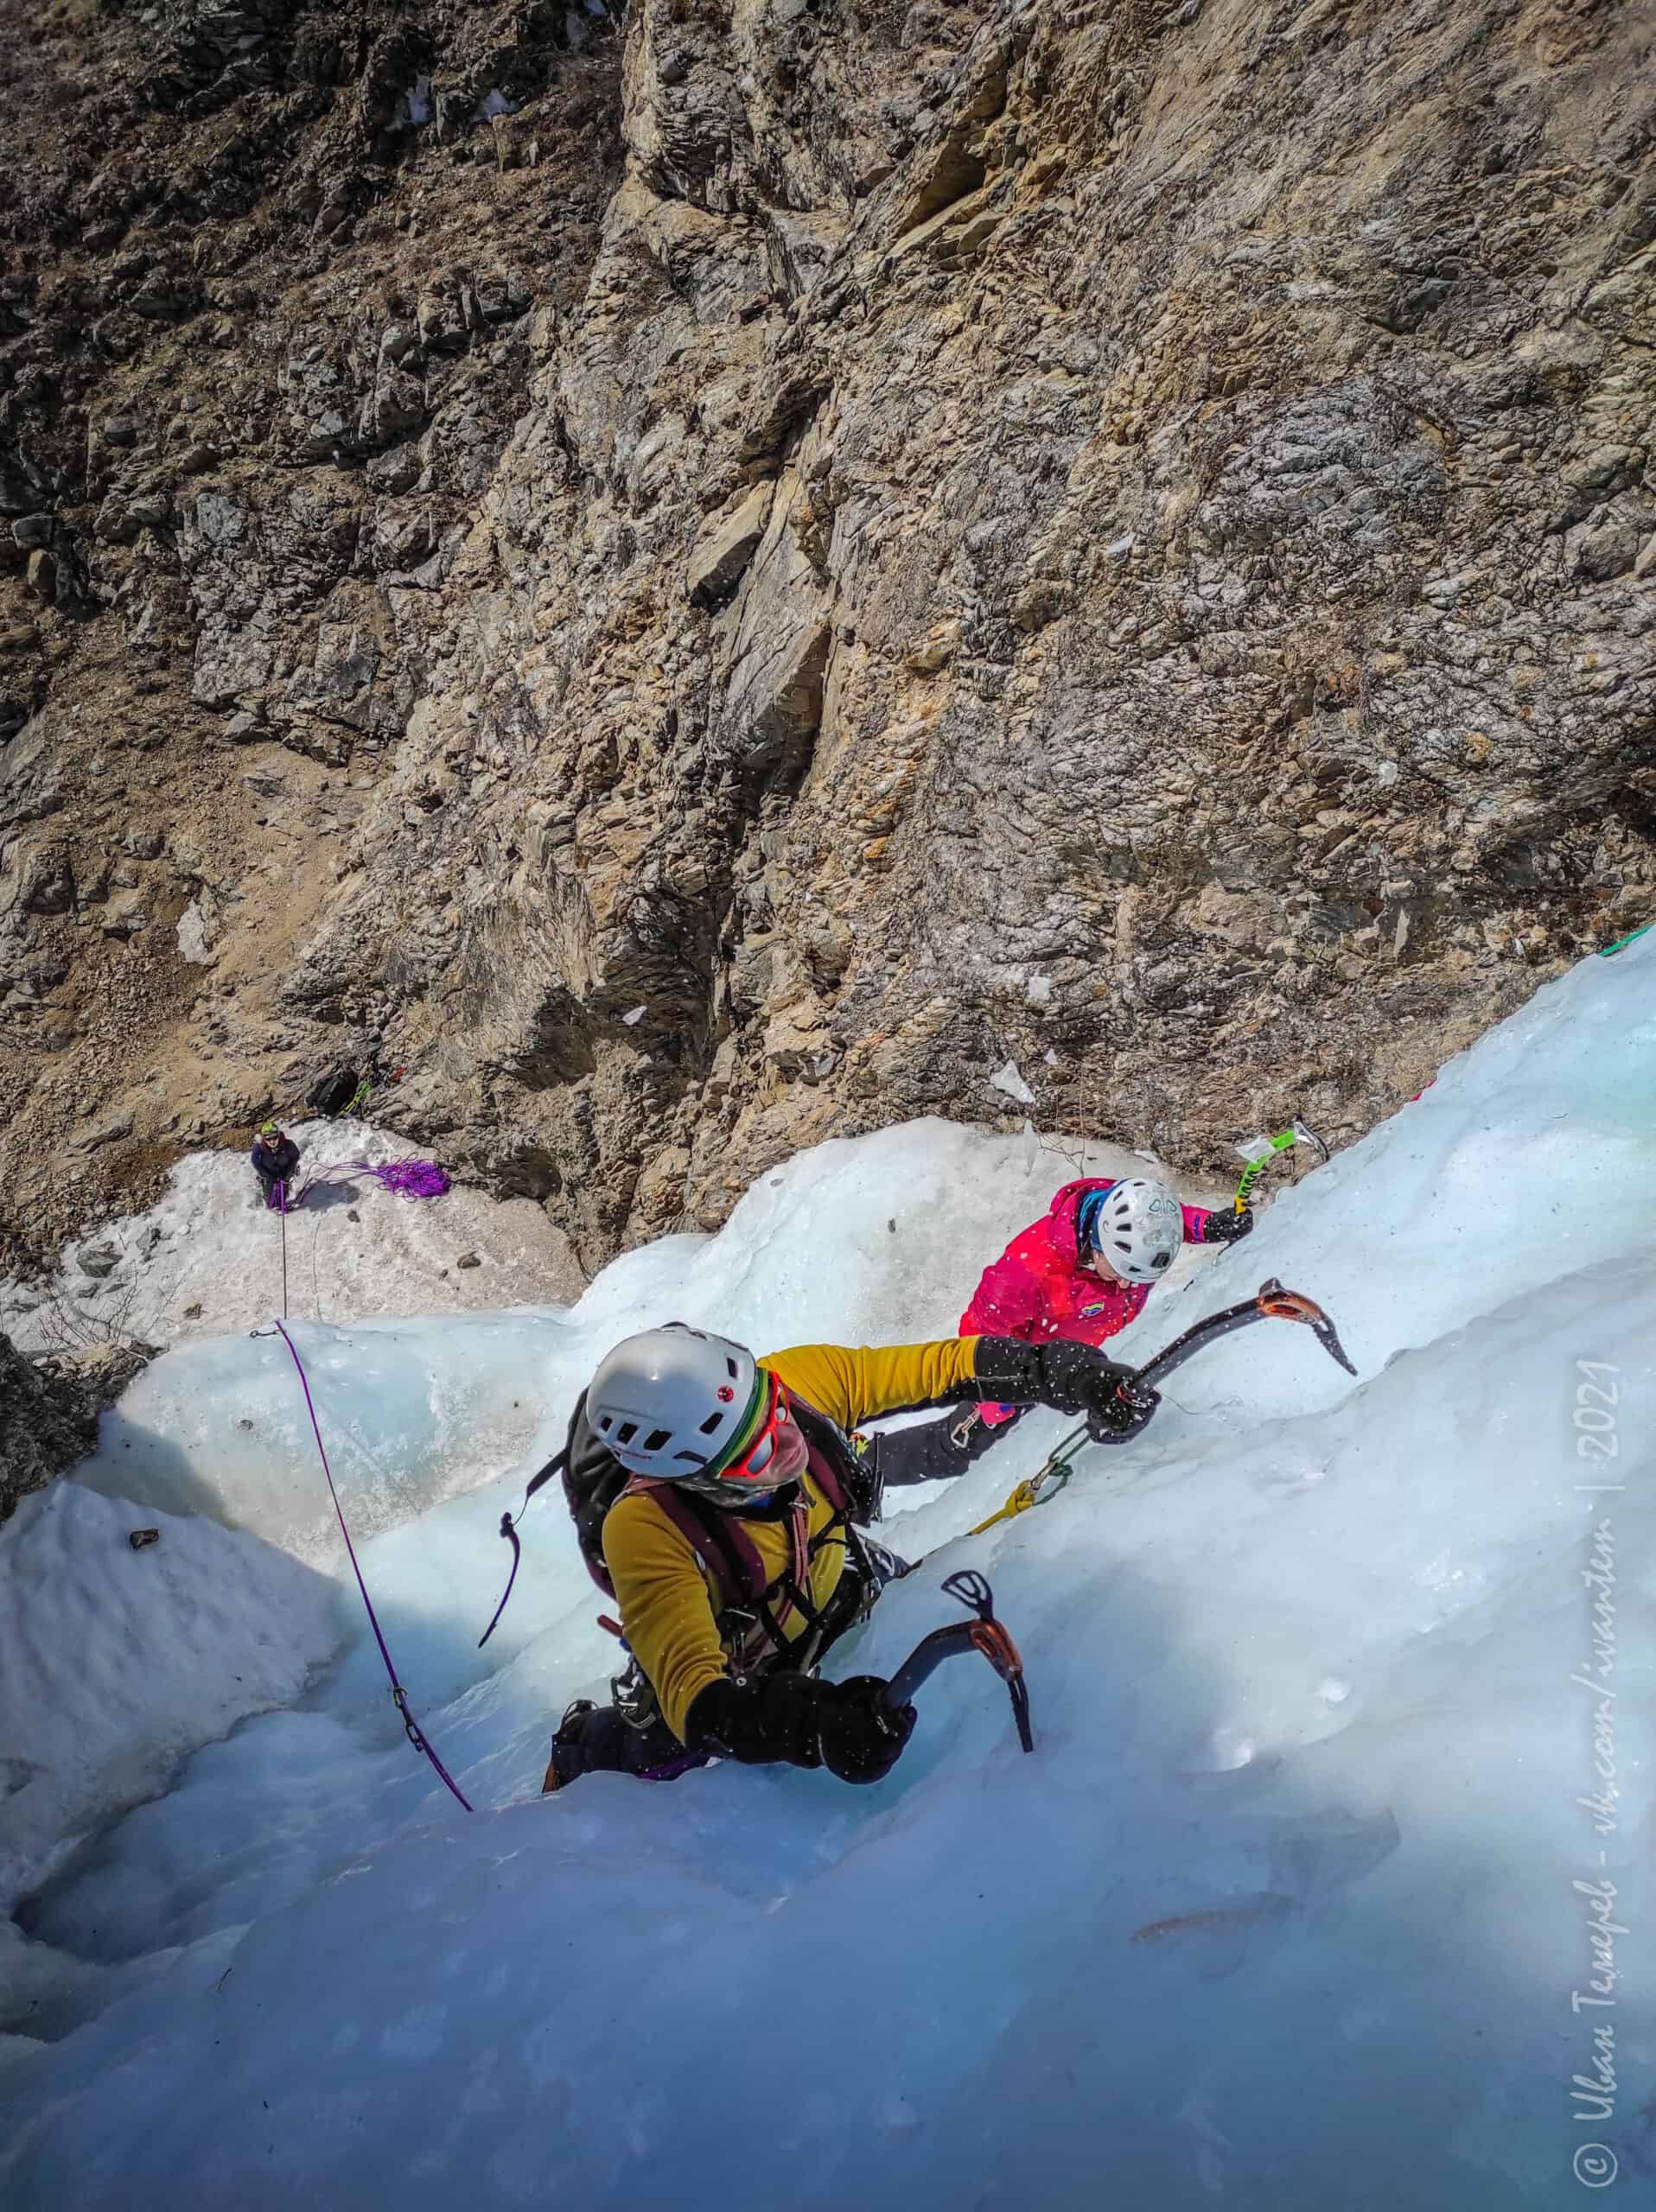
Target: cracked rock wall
709 579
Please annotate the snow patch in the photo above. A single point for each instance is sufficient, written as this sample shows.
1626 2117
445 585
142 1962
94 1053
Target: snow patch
194 938
208 1256
114 1664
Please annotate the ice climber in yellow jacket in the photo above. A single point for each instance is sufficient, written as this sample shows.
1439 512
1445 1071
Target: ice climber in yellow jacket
717 1498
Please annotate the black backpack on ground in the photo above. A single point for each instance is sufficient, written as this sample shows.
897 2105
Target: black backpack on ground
335 1092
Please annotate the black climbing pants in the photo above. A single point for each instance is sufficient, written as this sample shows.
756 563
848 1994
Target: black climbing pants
934 1451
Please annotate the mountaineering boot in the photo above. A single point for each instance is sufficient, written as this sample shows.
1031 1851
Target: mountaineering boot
567 1736
888 1568
597 1739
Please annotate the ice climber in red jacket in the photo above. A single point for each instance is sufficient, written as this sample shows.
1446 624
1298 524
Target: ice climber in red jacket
1083 1271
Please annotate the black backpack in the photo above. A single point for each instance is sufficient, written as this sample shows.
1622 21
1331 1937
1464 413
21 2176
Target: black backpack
335 1092
593 1479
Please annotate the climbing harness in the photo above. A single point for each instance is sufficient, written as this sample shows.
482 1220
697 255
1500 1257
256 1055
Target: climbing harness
985 1634
399 1695
1272 1302
1259 1152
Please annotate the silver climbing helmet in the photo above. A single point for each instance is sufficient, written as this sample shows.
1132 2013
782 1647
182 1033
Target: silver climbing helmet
1138 1226
680 1405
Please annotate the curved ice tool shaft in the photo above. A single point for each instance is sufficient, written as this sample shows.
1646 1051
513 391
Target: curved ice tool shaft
1272 1301
985 1634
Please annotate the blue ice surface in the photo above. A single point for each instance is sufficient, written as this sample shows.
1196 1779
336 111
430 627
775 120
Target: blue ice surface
1288 1907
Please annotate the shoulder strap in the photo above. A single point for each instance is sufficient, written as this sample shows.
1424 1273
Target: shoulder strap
558 1465
853 1490
830 1458
560 1458
718 1540
721 1543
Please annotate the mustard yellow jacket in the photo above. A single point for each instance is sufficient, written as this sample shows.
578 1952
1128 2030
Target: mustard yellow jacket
668 1605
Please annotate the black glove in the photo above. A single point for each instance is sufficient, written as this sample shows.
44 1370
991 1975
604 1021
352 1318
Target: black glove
849 1728
1124 1415
1224 1224
1069 1377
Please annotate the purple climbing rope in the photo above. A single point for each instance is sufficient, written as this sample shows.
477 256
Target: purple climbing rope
408 1179
399 1695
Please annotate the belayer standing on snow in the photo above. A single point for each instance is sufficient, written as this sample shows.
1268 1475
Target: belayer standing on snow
714 1494
1081 1273
275 1156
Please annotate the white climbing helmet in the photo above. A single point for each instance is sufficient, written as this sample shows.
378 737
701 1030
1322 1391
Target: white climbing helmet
1139 1228
673 1402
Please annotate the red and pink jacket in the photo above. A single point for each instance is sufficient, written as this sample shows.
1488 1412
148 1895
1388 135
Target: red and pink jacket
1038 1287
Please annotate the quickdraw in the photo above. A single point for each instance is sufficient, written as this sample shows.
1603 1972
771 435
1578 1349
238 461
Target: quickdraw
1046 1483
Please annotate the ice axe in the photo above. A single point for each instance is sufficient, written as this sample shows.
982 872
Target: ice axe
1259 1152
985 1634
1272 1301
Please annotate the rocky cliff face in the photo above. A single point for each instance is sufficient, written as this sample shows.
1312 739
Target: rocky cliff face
717 578
48 1421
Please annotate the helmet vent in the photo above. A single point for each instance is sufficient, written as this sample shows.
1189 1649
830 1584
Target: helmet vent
667 1402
